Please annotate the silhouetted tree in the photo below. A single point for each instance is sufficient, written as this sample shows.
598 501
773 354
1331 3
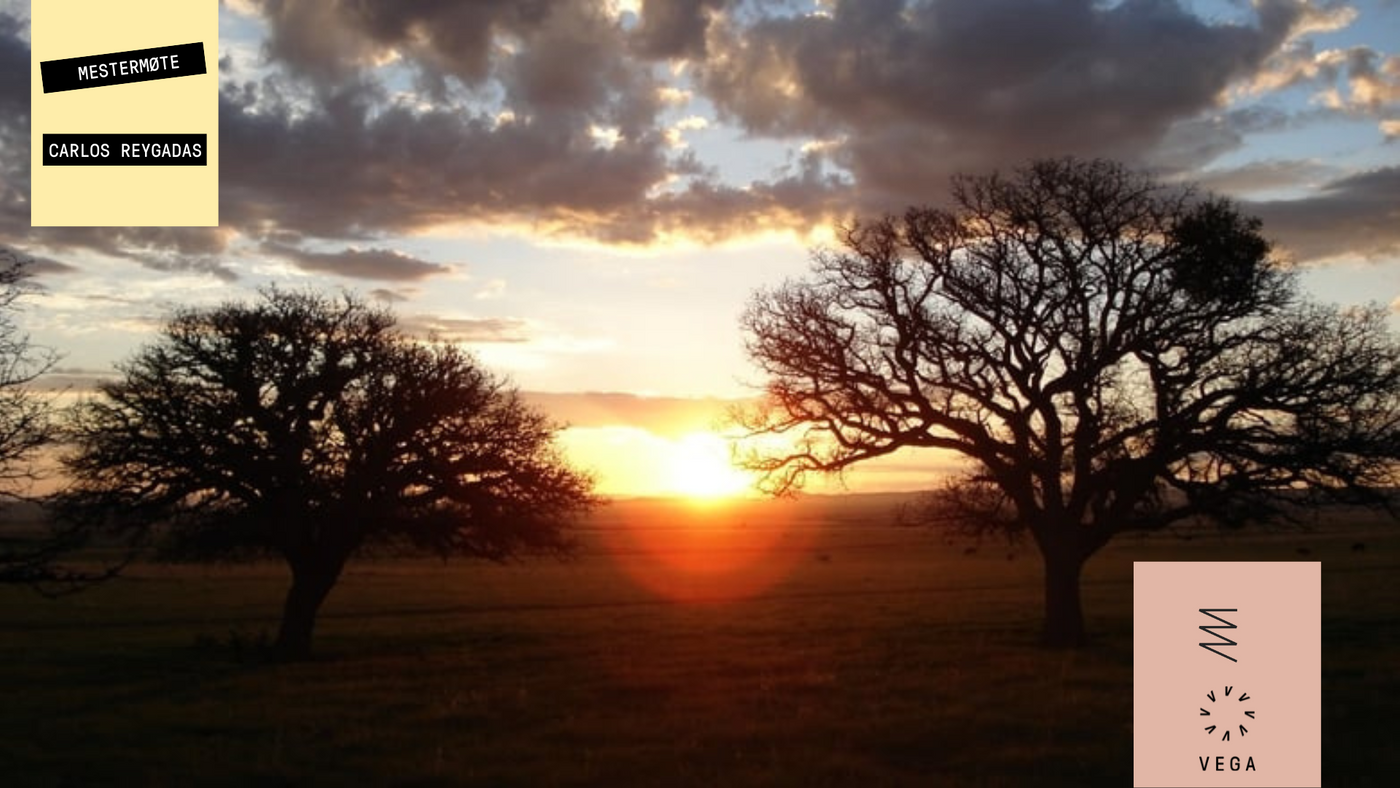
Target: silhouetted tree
27 425
307 427
1109 353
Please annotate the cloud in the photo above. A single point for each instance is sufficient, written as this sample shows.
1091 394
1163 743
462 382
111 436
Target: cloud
491 290
489 330
366 122
1194 142
1354 215
567 56
75 380
1299 63
582 151
675 28
165 249
710 211
351 169
921 90
1357 81
44 266
14 127
1373 81
392 295
1265 176
33 266
350 161
384 264
14 79
355 170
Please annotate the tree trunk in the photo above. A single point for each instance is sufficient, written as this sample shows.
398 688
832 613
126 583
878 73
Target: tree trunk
1064 615
311 582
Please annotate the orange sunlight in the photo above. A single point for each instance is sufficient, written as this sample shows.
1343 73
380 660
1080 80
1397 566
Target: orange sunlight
716 553
700 467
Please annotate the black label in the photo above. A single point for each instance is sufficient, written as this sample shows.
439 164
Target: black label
126 150
119 68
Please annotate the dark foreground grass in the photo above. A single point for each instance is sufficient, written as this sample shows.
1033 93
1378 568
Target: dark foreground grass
742 648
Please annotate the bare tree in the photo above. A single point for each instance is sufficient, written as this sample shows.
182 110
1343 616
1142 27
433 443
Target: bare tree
27 426
308 427
1106 352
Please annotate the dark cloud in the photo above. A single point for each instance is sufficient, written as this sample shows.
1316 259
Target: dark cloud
548 114
572 64
14 127
199 250
675 28
351 170
14 78
919 90
1355 215
353 166
385 264
564 56
319 39
346 162
330 41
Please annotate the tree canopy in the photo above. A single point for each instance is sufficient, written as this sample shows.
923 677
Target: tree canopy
1108 353
308 427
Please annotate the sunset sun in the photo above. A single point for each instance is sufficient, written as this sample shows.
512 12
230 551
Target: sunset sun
700 467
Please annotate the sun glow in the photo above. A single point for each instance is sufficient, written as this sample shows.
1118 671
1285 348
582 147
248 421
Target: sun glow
707 554
700 466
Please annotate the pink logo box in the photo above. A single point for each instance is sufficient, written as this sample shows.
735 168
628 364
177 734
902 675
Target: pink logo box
1227 674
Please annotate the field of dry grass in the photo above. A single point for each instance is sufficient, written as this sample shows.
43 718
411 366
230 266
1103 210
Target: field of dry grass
807 644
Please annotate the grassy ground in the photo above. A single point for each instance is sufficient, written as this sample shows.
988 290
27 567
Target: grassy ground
773 645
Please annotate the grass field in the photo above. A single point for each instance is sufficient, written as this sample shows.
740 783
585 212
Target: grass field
801 644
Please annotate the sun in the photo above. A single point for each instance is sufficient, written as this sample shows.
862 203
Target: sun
700 467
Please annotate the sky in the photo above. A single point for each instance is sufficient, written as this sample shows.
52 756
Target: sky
587 192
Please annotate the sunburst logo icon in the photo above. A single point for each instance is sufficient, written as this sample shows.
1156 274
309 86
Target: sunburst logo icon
1226 714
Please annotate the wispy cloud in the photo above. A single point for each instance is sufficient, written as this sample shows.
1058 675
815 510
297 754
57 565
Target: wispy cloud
488 330
372 263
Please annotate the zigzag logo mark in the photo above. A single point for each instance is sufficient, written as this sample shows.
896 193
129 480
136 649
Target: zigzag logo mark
1210 630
